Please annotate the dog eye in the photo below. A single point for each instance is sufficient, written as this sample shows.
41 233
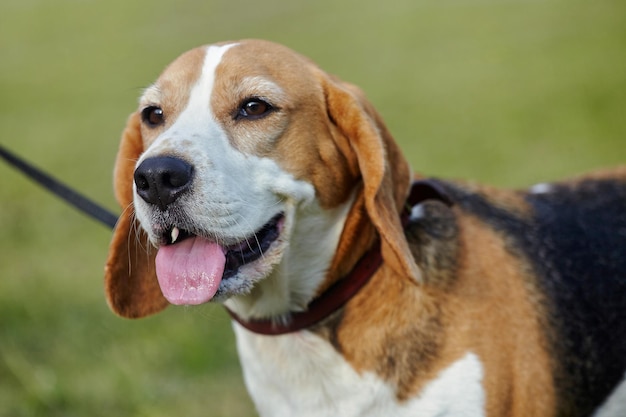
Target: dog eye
254 109
152 116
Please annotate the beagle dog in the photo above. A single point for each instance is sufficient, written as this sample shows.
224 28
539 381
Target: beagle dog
250 177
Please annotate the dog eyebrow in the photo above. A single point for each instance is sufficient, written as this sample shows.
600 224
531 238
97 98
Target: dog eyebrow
151 94
262 87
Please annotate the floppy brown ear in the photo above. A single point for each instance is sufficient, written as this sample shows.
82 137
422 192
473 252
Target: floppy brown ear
385 172
131 285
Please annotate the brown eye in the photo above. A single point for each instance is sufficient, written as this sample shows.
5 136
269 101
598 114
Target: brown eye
152 116
254 109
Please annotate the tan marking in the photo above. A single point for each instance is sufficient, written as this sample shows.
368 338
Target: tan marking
305 140
297 136
130 279
404 331
509 200
617 175
495 311
171 90
491 308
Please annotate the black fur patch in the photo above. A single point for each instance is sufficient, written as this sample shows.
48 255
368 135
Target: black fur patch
433 240
575 241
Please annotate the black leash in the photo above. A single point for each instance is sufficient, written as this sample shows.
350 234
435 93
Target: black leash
61 190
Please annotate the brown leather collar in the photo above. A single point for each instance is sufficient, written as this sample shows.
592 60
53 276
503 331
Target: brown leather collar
343 290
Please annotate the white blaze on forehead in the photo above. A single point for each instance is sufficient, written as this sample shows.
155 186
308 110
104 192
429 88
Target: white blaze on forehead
201 94
197 117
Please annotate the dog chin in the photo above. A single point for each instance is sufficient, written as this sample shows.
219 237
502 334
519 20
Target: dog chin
249 275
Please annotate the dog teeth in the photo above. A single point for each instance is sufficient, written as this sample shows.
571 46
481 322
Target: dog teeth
175 233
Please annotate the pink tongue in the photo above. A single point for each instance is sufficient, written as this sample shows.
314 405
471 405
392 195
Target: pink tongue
190 272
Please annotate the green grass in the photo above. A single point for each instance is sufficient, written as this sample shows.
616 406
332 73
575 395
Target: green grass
509 92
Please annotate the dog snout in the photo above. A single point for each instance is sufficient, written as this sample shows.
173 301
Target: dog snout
162 180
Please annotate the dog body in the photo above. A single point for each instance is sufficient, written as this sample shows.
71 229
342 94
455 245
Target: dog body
250 177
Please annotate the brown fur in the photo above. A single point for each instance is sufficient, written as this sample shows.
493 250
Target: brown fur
130 278
352 132
451 283
473 300
494 312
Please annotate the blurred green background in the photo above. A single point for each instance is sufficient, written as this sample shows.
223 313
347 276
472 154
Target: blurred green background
507 92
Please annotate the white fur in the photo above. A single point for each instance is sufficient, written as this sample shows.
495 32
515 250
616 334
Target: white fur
417 212
302 375
541 188
235 193
615 405
293 283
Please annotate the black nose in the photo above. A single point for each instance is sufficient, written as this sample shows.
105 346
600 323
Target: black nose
161 180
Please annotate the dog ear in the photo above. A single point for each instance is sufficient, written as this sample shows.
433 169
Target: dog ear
385 172
131 285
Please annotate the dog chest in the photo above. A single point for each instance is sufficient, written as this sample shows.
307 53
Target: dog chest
301 374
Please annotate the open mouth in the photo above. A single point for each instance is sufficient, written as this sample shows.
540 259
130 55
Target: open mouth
248 250
190 268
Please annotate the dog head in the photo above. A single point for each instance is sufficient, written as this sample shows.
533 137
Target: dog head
235 177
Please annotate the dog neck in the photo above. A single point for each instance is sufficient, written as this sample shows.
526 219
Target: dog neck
338 294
